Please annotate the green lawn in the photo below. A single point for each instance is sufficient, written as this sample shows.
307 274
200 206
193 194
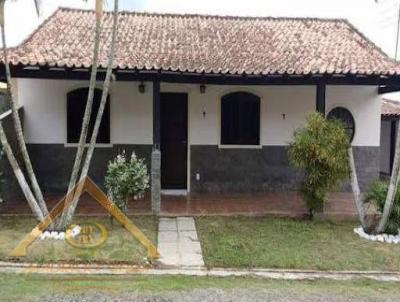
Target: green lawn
29 287
289 243
120 246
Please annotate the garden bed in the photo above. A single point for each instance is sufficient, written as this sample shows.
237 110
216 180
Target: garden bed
289 243
120 246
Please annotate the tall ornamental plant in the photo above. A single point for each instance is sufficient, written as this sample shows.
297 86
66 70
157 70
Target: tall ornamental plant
34 197
69 209
65 216
320 151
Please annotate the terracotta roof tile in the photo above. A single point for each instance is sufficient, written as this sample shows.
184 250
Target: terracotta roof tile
390 108
210 44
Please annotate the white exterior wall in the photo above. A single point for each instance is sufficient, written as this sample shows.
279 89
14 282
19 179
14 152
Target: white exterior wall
44 104
293 101
365 105
45 111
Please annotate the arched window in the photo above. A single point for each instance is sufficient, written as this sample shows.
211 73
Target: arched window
344 115
76 103
240 119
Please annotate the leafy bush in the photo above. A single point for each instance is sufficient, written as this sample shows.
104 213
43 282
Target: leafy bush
376 193
126 178
320 149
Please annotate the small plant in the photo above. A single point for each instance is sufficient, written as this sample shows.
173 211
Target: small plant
320 150
126 178
376 193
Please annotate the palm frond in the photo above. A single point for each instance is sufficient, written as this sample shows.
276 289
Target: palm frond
38 6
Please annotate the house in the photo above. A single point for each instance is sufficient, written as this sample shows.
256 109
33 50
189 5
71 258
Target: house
220 97
390 113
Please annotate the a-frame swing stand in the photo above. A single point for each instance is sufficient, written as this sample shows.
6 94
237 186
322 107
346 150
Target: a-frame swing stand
86 185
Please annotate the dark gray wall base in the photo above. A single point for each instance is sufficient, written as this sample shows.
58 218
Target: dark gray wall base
262 170
367 160
9 184
221 170
53 164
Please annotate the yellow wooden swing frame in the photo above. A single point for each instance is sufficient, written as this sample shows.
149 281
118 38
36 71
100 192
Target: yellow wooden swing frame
86 185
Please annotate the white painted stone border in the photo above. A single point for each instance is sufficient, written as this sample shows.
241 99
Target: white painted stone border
384 238
46 235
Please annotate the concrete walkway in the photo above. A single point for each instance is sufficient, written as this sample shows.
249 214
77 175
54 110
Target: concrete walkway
178 243
115 269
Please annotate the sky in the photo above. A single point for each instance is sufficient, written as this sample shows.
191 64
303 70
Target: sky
377 19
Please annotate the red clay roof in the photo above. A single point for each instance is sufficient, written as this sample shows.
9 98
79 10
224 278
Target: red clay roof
390 108
210 44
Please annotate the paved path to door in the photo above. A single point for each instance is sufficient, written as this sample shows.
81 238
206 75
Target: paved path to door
178 243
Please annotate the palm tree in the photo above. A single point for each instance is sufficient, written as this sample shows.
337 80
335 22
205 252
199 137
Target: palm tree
16 119
99 116
394 182
356 189
394 178
38 5
70 208
37 211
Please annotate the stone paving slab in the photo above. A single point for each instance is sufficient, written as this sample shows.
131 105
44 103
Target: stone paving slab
178 243
186 224
168 224
189 235
167 236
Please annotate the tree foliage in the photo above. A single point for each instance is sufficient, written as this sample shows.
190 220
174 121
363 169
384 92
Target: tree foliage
320 150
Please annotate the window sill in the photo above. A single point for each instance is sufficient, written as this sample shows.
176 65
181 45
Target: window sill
240 146
73 145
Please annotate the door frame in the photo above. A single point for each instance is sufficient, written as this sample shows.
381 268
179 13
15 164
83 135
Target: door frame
188 144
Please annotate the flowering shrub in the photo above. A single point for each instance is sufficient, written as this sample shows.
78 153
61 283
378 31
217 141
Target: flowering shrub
126 178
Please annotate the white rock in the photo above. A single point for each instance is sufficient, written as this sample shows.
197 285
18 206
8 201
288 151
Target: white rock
75 231
46 234
385 238
61 236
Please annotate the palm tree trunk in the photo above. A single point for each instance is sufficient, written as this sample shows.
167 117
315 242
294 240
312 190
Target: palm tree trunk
17 120
394 181
37 211
99 116
356 189
86 119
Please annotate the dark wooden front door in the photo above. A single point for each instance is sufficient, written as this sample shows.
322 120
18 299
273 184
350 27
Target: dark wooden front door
174 112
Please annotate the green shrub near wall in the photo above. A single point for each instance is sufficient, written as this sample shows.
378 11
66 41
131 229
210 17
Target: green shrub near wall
320 149
377 194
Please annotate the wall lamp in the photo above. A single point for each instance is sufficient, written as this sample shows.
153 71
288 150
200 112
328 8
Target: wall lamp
202 88
142 87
